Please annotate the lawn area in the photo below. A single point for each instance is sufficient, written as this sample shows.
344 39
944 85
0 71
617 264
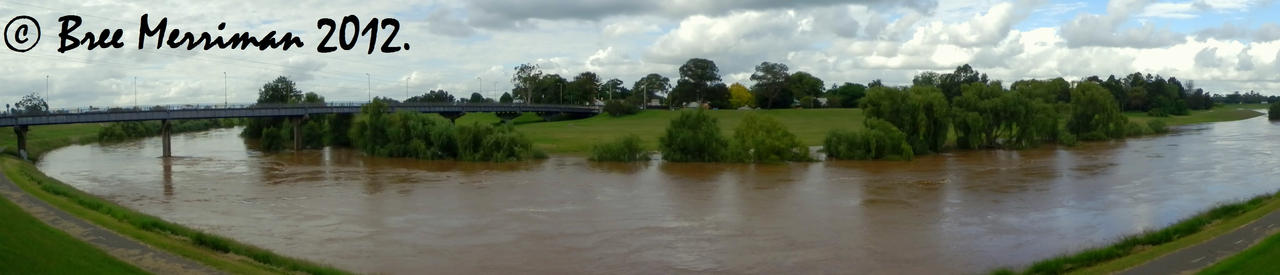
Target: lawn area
1219 113
1259 259
41 139
28 246
577 136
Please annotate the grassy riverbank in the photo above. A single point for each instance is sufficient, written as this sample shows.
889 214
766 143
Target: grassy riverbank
577 136
1137 249
28 246
1259 259
41 139
1221 113
810 125
216 251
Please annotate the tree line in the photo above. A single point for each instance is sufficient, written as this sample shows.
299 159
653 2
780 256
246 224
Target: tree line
775 86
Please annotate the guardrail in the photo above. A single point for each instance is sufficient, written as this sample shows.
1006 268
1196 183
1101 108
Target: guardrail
194 111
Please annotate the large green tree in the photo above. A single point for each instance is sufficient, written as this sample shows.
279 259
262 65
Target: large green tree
1094 113
802 84
279 91
770 89
846 95
651 86
700 82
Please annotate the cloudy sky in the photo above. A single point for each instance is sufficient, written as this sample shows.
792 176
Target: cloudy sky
468 46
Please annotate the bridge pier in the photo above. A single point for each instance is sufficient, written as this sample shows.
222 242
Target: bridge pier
165 137
508 116
21 132
452 116
549 116
297 133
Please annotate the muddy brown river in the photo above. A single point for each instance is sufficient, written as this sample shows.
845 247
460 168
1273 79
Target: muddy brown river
961 212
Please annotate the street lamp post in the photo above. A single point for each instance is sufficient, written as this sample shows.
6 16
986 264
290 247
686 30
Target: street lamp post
369 81
225 101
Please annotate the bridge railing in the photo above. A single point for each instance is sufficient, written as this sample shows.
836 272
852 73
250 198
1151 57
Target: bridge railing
179 107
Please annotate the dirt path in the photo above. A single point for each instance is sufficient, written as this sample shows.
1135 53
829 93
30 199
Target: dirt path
1200 256
121 247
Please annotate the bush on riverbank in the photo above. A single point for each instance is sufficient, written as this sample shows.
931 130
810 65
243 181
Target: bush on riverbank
121 131
483 142
694 136
428 136
1273 113
763 139
624 149
881 140
619 108
1134 129
1158 126
1095 114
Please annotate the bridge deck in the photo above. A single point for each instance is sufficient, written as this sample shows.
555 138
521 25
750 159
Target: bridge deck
250 111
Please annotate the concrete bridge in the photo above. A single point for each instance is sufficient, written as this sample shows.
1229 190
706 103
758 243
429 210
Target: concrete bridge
295 112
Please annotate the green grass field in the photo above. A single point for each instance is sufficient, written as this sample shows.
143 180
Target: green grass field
576 137
1222 113
1259 259
41 139
28 246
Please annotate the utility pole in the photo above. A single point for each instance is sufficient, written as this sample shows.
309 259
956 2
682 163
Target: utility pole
225 101
135 92
369 92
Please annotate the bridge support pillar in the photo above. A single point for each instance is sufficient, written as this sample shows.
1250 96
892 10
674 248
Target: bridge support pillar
165 137
21 132
452 116
508 116
297 133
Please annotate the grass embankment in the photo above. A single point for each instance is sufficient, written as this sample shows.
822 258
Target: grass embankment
28 246
42 139
1137 249
1220 113
578 136
810 125
1259 259
216 251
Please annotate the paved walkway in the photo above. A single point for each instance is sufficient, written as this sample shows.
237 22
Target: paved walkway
121 247
1200 256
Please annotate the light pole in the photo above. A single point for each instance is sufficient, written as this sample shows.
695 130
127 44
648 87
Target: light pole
225 100
406 88
369 81
135 92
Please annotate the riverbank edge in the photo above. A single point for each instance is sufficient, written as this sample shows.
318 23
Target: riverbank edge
1122 255
216 251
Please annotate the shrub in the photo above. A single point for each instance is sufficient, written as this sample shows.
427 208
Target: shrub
1273 113
1133 129
764 139
620 108
1157 126
625 148
481 142
881 140
1068 139
694 136
1094 113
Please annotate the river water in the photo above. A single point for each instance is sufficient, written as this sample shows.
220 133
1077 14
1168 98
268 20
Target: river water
961 212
